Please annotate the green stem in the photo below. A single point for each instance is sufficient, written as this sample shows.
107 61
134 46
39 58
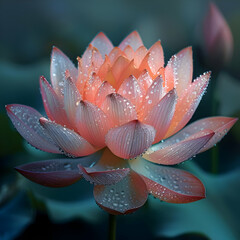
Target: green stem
112 227
215 150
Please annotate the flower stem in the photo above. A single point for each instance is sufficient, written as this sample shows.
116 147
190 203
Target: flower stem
214 150
112 227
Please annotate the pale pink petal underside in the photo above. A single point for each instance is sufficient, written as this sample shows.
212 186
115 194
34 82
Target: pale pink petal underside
161 114
26 120
91 87
133 39
110 169
131 90
188 103
169 184
53 104
130 139
123 197
152 97
129 52
118 109
139 55
170 154
220 125
59 64
92 123
69 141
102 43
104 90
145 80
179 70
115 54
71 98
156 58
55 172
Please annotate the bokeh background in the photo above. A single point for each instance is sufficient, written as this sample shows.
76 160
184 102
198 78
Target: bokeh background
28 30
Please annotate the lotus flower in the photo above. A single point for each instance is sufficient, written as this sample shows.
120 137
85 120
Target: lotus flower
124 101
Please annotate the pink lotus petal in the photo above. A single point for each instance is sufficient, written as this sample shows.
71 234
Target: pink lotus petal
91 87
97 60
119 67
130 139
133 39
118 109
102 43
104 90
110 169
220 125
161 114
188 103
181 150
139 55
55 172
104 69
119 199
156 58
53 105
92 123
115 54
145 80
59 64
128 71
103 177
129 52
71 98
169 184
69 141
26 121
153 96
86 61
179 71
131 90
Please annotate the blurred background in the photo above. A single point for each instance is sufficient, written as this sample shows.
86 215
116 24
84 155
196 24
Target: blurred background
28 30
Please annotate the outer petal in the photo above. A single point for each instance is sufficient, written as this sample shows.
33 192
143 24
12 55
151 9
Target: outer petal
115 54
133 39
130 139
26 121
92 123
179 70
53 105
169 184
110 169
145 80
72 97
53 173
188 103
139 55
123 197
59 64
156 58
91 87
69 141
131 90
153 96
180 151
220 125
161 114
102 43
129 52
104 90
118 109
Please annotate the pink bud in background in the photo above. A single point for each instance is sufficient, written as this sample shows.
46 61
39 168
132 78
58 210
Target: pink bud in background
218 40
